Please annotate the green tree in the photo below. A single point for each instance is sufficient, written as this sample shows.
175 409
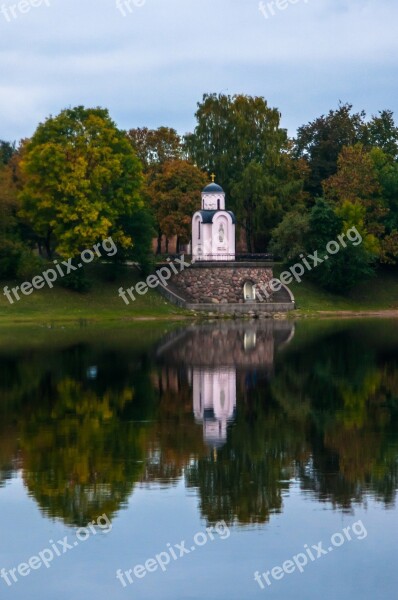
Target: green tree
289 237
7 151
321 141
81 176
383 133
240 139
351 264
356 181
386 169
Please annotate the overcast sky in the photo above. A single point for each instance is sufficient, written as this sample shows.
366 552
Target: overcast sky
151 66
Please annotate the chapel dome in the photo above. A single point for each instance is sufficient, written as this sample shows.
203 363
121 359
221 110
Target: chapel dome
211 188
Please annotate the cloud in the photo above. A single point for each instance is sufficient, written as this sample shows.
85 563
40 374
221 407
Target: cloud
152 66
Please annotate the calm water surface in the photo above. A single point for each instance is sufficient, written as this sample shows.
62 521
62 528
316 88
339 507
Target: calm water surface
204 454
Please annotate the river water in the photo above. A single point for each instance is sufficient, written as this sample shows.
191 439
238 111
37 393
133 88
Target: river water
226 461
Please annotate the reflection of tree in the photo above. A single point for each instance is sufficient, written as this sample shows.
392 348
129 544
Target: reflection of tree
8 453
83 423
79 459
175 438
92 420
349 404
245 479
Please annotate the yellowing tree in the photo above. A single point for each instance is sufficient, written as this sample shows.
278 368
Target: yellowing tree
81 177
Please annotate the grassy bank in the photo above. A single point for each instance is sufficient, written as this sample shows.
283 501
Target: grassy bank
377 294
102 303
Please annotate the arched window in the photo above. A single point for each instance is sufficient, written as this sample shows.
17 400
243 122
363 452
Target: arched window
249 291
218 203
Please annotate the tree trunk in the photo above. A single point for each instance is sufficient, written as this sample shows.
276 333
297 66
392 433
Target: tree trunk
47 245
249 236
159 246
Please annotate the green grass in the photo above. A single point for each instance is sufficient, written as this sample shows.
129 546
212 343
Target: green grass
378 293
101 303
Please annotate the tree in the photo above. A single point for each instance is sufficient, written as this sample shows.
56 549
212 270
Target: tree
263 197
356 182
289 237
352 263
81 176
154 148
16 239
11 248
7 150
386 169
239 138
139 226
321 141
383 133
174 194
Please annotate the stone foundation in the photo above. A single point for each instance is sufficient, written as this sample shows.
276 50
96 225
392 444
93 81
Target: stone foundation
212 283
220 286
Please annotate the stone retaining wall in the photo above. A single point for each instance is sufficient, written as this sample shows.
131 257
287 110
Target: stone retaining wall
219 284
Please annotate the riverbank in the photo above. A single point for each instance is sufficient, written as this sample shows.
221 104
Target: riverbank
375 298
100 303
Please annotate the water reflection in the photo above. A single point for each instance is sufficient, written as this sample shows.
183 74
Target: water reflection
238 411
211 356
214 402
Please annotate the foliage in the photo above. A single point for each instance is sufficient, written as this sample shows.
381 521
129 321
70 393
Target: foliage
139 225
80 179
289 237
351 264
382 133
154 147
240 139
174 196
80 176
7 150
321 141
11 247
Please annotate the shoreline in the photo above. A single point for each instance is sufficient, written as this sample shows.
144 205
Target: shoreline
292 316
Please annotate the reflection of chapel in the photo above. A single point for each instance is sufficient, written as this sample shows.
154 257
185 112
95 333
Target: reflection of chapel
214 402
213 227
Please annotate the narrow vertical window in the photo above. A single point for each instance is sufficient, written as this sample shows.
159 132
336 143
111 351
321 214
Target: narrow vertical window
218 204
198 230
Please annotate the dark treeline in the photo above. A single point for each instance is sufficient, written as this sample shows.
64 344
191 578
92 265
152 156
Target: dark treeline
80 179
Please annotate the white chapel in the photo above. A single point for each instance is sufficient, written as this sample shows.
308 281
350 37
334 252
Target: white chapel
213 227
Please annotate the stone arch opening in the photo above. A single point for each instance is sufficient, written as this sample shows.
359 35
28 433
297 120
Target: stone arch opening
249 291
